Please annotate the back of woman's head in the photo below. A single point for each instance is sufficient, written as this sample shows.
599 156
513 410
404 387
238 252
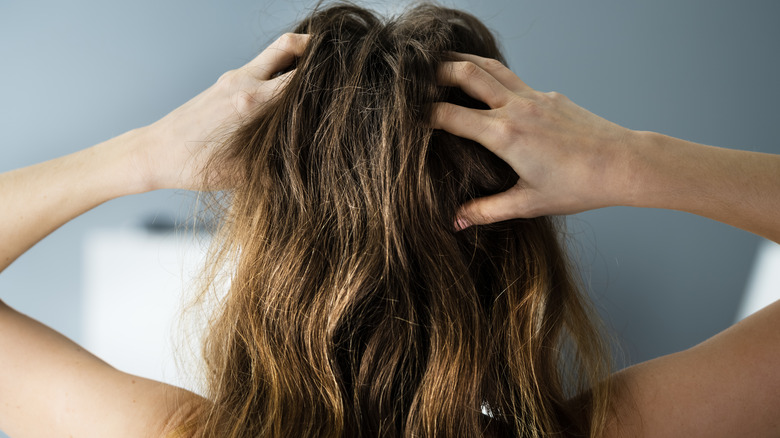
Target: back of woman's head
355 308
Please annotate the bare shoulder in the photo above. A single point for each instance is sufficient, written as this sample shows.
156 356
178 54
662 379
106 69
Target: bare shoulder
151 408
50 386
726 386
183 421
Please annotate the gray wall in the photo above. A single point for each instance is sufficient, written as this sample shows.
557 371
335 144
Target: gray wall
73 74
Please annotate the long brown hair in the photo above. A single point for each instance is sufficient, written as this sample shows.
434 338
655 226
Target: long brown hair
355 308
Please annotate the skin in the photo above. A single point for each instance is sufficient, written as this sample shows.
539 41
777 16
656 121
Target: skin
49 386
568 159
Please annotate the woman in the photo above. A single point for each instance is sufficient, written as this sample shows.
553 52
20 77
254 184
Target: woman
364 300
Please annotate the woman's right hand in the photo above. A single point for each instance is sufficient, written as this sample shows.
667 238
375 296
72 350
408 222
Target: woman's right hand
180 144
568 159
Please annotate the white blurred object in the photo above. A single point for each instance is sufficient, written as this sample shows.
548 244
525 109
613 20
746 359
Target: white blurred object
763 287
135 285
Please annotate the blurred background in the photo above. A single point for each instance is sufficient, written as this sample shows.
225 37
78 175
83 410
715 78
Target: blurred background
77 73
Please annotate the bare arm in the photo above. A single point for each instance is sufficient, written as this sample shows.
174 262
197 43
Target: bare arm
739 188
49 386
169 153
38 199
728 385
570 160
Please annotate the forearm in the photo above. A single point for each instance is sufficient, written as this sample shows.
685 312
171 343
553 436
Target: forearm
37 200
739 188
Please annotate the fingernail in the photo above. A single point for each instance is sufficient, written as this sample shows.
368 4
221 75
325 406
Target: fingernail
461 223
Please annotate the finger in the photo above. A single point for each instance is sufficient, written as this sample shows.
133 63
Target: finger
280 54
502 73
475 81
490 209
474 124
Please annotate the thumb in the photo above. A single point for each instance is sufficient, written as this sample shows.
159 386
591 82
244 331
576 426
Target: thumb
490 209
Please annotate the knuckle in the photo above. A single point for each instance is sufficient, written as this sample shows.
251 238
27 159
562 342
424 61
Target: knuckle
555 96
227 78
285 41
491 64
505 128
245 102
468 68
505 133
529 107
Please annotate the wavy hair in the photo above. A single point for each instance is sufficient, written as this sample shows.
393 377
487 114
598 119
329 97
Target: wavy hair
354 308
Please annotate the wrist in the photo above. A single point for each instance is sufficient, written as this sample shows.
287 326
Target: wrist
664 172
131 168
641 149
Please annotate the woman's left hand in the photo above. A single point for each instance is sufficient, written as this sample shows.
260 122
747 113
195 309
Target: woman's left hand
179 145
